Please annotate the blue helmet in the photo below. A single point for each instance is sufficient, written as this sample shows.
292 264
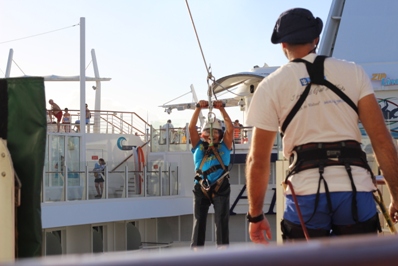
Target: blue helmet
296 26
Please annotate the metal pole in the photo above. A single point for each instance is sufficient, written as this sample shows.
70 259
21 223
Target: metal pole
145 180
126 181
177 179
106 183
9 63
83 93
160 182
169 180
65 183
86 170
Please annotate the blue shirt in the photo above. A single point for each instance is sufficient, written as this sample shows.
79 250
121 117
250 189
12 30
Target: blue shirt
199 153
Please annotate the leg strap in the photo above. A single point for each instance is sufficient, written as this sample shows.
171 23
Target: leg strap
295 231
370 226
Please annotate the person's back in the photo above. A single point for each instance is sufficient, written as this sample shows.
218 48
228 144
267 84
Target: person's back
168 132
335 119
316 102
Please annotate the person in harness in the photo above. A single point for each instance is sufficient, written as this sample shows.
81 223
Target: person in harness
211 157
316 102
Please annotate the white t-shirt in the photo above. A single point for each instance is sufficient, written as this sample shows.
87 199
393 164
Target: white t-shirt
168 130
323 117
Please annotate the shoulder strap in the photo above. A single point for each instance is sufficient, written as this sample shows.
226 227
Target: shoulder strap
214 150
317 76
219 159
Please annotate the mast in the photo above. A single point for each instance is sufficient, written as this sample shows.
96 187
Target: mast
9 62
331 28
83 89
195 98
97 93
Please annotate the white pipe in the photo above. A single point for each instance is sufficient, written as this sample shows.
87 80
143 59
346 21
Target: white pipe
9 63
83 89
195 98
97 105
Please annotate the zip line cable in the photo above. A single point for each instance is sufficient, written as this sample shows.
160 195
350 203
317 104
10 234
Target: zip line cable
197 38
211 115
31 36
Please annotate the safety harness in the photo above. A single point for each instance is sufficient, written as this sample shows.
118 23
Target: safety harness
210 190
320 155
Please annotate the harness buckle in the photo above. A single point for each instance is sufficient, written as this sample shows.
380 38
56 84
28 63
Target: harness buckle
294 156
333 153
321 168
205 184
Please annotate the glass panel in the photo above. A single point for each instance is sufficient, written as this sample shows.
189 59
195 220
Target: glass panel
166 181
76 184
153 177
176 142
173 179
116 185
54 166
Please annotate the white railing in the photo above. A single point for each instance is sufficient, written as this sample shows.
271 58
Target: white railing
123 183
105 122
178 140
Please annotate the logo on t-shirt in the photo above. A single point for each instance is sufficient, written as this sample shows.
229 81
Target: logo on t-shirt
305 81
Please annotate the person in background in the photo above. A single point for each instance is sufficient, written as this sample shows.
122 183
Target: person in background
56 112
211 184
66 120
168 132
99 174
237 132
316 103
88 116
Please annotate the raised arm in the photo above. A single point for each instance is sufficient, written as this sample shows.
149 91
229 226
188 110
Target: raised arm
229 132
193 133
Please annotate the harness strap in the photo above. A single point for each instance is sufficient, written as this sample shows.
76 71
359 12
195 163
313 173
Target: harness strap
317 76
219 159
320 159
327 193
321 155
199 170
354 208
207 189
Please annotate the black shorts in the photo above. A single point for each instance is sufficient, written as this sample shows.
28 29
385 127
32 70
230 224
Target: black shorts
99 180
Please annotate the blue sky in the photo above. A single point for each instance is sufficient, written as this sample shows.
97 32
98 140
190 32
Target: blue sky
148 48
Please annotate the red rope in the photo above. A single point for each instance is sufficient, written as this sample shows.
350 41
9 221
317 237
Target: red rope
307 237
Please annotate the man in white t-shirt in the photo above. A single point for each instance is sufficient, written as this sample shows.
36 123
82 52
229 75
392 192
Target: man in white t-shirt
329 172
168 132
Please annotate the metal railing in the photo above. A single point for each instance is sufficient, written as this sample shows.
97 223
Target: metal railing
106 122
79 185
178 139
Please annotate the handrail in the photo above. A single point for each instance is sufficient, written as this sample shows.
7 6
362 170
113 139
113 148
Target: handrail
342 251
109 121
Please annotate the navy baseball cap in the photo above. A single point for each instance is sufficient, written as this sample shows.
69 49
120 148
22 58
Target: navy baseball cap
295 26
